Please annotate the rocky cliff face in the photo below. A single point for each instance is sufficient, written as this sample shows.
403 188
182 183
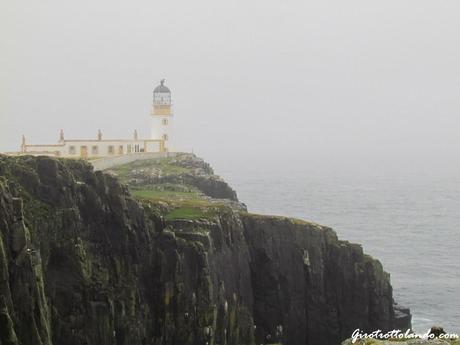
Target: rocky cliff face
84 262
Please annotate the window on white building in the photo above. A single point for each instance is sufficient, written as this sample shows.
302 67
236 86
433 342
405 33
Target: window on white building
120 149
165 137
111 150
94 150
129 148
72 150
164 122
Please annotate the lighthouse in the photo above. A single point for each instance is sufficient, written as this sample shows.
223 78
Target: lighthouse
160 140
162 116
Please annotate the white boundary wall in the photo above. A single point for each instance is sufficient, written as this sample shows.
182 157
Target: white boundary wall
110 162
95 148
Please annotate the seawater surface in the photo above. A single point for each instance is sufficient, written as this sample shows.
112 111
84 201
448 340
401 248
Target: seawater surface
409 222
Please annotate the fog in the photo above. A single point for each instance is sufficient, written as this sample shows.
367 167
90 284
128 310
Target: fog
325 83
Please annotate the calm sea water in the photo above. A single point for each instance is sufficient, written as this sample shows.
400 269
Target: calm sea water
411 224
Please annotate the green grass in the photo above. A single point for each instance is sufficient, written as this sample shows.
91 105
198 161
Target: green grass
188 213
196 209
181 201
164 195
166 166
183 205
176 199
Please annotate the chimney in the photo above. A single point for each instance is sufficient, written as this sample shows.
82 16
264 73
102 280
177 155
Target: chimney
23 143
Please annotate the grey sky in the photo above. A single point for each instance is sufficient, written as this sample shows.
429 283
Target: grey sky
341 80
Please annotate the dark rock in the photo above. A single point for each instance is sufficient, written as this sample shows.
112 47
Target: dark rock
402 317
437 331
82 262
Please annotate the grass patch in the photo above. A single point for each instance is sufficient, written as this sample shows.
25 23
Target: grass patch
165 166
188 213
164 195
197 209
183 205
176 199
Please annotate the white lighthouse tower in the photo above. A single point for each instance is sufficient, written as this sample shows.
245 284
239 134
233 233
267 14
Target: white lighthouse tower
162 116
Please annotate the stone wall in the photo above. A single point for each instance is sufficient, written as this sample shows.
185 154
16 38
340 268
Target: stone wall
110 162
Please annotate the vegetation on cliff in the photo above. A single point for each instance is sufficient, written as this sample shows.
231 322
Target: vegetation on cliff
177 260
183 186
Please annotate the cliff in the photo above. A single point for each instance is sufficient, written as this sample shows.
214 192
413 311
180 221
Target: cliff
170 256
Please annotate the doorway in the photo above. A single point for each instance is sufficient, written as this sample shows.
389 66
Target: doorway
84 152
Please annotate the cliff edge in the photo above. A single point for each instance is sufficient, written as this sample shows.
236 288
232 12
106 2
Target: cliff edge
162 252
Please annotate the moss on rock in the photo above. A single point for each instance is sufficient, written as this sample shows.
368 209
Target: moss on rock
83 262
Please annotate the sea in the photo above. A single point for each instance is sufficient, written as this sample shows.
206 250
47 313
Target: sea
410 221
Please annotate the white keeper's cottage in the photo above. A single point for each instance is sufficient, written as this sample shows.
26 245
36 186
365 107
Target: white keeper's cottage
161 136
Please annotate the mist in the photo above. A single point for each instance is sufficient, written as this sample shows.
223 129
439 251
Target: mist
330 84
